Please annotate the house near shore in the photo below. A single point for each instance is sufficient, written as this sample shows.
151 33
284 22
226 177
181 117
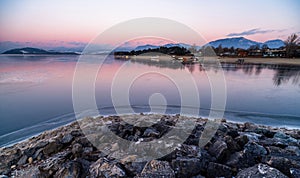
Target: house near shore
274 53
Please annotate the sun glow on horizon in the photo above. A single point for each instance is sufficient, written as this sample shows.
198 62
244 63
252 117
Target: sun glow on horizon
81 21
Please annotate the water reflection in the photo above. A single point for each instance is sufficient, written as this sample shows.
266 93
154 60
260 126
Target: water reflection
282 73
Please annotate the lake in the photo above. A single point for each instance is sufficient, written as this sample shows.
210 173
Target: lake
36 91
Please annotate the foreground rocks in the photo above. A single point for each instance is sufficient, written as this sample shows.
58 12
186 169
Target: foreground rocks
235 150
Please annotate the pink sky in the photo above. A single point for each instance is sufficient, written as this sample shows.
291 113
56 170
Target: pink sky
81 21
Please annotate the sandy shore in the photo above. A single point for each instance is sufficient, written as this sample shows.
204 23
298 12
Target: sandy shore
238 150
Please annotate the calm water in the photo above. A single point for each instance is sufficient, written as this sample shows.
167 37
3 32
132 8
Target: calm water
36 92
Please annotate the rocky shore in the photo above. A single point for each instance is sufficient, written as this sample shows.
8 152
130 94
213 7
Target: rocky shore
235 150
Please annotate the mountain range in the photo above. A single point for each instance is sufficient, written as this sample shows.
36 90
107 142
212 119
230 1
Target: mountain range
29 50
238 42
244 43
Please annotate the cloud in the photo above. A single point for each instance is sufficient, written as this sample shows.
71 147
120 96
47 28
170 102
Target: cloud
251 32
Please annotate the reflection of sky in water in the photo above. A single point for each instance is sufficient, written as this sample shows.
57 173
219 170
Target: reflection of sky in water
34 90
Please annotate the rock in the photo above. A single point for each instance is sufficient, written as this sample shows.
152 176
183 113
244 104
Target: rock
30 160
250 126
219 150
151 132
38 154
52 147
285 137
105 168
266 132
274 142
252 136
231 144
68 138
218 170
53 164
294 150
295 173
77 149
132 167
156 168
240 160
22 160
260 170
69 169
255 149
281 135
241 140
290 152
8 158
282 164
233 133
187 167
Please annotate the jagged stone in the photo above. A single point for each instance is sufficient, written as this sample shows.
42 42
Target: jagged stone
260 170
156 168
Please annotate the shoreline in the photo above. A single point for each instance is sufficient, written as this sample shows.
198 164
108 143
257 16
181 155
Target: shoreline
25 138
69 146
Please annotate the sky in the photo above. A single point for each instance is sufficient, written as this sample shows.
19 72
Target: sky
69 21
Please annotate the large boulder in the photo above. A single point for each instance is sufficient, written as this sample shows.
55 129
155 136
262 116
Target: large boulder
260 170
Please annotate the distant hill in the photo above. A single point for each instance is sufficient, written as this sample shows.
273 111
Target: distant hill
274 43
241 42
29 50
145 47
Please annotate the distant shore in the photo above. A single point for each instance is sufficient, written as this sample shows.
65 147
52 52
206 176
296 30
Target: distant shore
236 149
279 61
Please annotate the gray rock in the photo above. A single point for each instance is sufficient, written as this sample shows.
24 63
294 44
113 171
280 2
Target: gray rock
53 164
52 147
151 132
281 135
252 136
250 126
232 145
69 169
105 168
219 150
255 149
241 140
240 160
22 160
295 173
260 170
77 149
293 150
283 164
156 168
9 157
68 138
218 170
187 167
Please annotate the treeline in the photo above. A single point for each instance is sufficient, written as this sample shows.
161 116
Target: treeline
176 50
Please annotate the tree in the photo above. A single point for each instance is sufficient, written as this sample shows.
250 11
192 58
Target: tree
291 45
193 49
264 48
220 50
